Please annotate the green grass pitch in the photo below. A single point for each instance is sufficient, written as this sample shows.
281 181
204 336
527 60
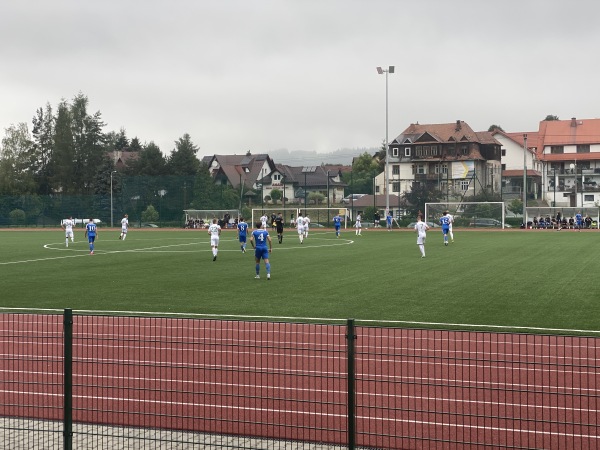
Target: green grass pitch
539 279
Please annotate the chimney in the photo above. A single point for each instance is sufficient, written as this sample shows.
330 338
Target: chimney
573 122
458 126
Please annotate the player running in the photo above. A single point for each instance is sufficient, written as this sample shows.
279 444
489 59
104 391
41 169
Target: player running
421 229
261 243
124 227
300 227
337 224
242 233
91 232
445 223
279 221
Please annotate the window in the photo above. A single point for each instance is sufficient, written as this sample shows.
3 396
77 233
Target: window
420 169
583 148
396 169
276 177
396 186
503 152
395 152
464 185
434 150
406 151
588 198
555 149
426 150
503 166
463 149
444 168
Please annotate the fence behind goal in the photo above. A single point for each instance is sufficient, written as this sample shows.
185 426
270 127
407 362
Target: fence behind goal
100 381
468 214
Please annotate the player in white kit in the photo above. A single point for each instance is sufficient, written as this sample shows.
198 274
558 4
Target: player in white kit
421 229
68 225
215 231
306 224
300 227
124 227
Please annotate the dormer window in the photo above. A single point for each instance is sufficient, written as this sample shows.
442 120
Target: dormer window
406 151
395 152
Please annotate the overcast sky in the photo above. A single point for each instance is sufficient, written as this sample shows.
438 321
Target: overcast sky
262 75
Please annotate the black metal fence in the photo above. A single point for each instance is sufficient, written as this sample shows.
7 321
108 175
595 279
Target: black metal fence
91 381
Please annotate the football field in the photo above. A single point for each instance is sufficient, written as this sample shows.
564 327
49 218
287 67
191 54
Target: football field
513 280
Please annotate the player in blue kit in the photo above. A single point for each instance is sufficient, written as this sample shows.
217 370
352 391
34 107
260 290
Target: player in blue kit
579 220
261 243
242 233
337 224
91 232
445 223
388 221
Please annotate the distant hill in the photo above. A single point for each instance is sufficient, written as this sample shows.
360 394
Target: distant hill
311 158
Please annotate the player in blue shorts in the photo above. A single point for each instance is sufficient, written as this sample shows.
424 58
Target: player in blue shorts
242 233
261 243
388 221
91 232
337 224
579 220
445 223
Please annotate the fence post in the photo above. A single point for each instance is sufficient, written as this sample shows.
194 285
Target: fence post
68 380
351 337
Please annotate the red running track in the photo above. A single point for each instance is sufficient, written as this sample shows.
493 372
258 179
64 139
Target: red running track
414 388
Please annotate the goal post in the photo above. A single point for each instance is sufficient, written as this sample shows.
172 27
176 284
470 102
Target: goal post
468 214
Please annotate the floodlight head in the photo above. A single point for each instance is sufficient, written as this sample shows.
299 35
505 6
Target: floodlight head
391 69
379 70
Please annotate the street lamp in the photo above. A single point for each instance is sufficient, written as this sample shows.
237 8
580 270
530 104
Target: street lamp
524 181
381 71
574 170
111 197
305 170
328 189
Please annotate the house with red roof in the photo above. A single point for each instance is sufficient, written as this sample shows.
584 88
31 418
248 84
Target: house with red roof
569 151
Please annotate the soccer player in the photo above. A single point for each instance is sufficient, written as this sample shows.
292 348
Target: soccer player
263 220
214 229
91 232
445 223
579 220
242 233
67 225
358 225
306 224
261 243
124 227
421 229
279 227
300 227
388 221
337 224
451 217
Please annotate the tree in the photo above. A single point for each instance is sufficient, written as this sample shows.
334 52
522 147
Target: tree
364 169
551 117
122 143
516 206
204 194
183 160
420 194
495 127
64 154
149 162
43 146
150 214
276 195
16 177
316 197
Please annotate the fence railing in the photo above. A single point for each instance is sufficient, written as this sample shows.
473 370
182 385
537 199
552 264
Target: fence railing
81 381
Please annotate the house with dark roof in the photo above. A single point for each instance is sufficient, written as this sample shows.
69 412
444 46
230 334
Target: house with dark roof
258 175
451 156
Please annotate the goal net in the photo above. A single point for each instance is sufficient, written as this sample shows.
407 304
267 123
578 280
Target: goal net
468 214
201 218
534 214
319 217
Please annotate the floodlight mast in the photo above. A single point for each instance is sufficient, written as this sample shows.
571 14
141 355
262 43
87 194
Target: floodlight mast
386 190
